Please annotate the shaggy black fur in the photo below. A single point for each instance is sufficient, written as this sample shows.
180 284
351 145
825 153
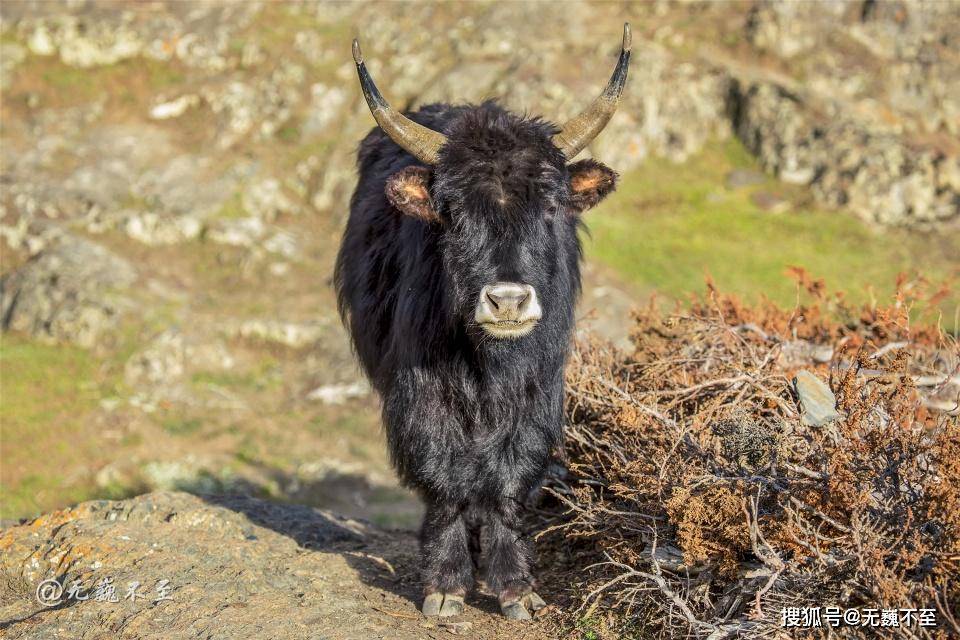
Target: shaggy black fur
471 420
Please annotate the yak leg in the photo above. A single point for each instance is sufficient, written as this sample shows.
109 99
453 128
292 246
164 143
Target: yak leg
447 567
509 557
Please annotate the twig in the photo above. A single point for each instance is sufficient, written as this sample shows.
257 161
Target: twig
377 559
398 614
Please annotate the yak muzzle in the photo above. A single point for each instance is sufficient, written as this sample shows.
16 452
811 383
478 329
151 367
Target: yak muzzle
508 309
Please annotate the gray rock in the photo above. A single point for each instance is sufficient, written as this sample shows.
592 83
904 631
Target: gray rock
878 176
11 55
295 335
792 28
739 178
798 353
818 405
337 394
71 291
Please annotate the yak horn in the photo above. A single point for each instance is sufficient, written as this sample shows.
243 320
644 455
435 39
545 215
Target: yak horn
419 141
581 130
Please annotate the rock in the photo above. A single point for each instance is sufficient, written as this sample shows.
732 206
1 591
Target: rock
791 28
233 567
174 108
339 393
161 362
681 107
771 202
155 229
71 291
11 55
161 372
241 232
456 628
41 43
288 334
799 353
326 105
266 200
818 405
739 178
175 566
878 176
834 101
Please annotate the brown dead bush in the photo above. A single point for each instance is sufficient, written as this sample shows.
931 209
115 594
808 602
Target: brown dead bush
700 504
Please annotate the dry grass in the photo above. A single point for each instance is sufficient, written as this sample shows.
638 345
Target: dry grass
699 504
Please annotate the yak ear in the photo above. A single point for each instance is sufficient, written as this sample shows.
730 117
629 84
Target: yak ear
590 182
409 191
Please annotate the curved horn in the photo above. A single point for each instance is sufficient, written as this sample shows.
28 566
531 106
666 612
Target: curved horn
419 141
581 130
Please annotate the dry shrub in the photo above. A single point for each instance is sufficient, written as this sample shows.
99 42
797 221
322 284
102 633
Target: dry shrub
699 503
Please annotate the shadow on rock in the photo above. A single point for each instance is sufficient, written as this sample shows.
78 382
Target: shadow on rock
384 559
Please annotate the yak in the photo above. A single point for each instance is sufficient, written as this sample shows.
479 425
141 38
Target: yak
457 277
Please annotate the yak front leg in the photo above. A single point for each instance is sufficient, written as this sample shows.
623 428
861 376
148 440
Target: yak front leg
447 566
509 558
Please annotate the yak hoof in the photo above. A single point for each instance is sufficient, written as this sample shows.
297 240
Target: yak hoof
515 611
520 609
442 604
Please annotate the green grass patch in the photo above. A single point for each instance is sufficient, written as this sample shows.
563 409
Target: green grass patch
670 225
228 380
232 208
42 388
127 83
40 383
179 426
46 393
152 73
289 133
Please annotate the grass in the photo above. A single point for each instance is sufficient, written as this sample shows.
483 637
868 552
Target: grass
180 426
48 442
232 208
45 391
669 226
127 81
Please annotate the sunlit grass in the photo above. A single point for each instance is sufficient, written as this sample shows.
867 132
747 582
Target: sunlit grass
669 226
44 391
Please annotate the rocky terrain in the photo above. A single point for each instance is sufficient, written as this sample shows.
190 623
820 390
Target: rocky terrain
173 565
174 180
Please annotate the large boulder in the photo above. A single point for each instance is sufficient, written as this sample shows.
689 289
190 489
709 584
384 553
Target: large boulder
216 567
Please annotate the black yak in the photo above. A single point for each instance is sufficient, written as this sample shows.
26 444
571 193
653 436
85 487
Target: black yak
457 278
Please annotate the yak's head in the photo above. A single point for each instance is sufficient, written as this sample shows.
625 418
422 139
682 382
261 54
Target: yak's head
502 192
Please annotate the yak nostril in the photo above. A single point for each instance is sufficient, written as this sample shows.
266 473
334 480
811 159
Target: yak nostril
524 299
494 300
